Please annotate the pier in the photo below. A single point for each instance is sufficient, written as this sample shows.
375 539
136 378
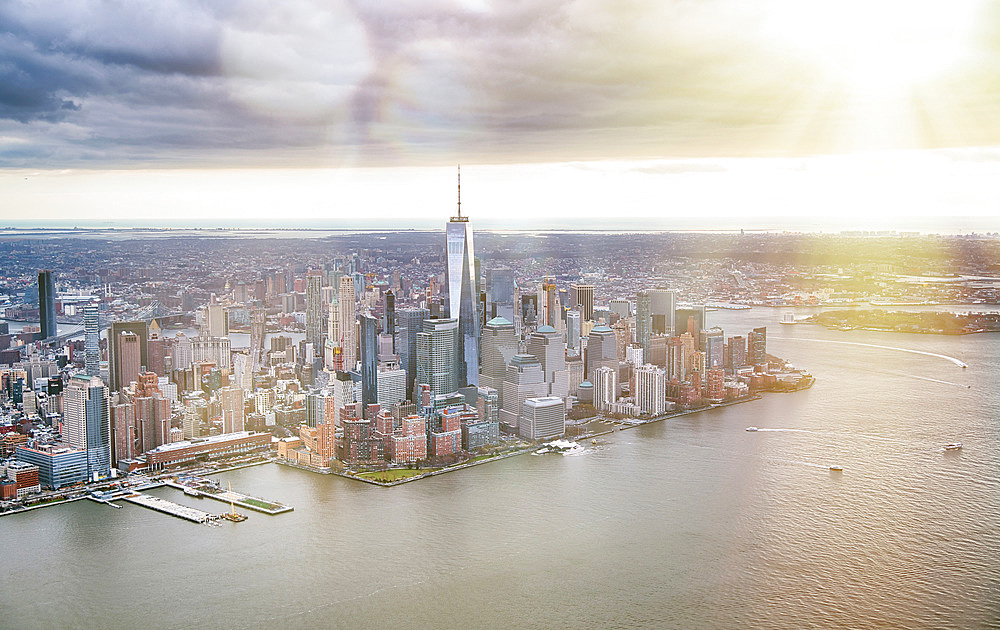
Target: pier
168 507
200 487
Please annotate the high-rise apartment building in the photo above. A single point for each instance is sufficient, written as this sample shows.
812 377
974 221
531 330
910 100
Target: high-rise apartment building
643 320
314 308
462 294
346 317
47 303
605 381
650 389
758 346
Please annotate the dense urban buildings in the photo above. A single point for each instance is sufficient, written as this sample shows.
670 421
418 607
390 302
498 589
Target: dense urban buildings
366 354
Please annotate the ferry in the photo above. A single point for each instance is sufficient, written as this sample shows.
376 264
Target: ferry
752 429
954 446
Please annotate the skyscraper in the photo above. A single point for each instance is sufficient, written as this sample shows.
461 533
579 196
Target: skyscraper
314 309
409 323
582 297
460 289
369 361
436 356
345 307
499 345
758 346
114 352
662 304
643 320
92 341
87 424
389 316
47 303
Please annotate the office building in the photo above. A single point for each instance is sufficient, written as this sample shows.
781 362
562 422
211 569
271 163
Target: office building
47 303
690 320
116 378
391 385
643 321
92 341
437 357
369 360
59 466
602 350
499 345
462 294
87 422
662 304
524 379
581 297
542 418
409 323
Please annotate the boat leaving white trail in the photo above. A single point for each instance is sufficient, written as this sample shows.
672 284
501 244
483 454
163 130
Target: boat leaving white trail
932 380
957 362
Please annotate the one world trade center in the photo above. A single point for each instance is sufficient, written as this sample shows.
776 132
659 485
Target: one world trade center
460 288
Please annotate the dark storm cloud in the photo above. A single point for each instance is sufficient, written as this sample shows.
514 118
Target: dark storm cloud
305 82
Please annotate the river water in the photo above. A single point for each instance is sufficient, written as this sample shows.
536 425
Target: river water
688 523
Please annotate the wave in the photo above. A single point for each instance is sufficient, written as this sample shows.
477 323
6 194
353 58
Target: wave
954 360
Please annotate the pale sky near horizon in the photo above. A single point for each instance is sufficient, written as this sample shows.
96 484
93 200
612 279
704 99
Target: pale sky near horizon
817 114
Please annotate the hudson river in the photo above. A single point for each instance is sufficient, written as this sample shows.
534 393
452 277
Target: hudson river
688 523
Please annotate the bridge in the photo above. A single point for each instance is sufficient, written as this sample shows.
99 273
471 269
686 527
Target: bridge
154 311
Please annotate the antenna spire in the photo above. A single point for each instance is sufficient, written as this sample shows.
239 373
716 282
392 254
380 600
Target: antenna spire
458 218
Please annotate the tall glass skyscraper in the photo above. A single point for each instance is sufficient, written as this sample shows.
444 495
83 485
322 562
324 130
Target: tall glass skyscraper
410 322
47 303
92 341
460 285
369 361
87 424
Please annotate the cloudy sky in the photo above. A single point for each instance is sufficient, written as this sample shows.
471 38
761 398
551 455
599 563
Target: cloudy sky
673 113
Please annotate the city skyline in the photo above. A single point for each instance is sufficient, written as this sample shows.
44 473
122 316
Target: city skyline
776 115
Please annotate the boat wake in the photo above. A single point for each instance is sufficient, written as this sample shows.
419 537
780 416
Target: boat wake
957 362
933 380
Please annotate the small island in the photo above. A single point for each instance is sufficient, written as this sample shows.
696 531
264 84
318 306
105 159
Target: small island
936 323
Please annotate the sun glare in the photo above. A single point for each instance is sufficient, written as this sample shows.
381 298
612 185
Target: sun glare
880 45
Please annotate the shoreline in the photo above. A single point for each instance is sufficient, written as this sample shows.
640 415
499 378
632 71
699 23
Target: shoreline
617 426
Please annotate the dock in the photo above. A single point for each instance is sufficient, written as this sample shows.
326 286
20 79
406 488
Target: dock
169 507
203 488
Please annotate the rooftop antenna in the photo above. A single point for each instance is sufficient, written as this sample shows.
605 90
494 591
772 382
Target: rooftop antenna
459 217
